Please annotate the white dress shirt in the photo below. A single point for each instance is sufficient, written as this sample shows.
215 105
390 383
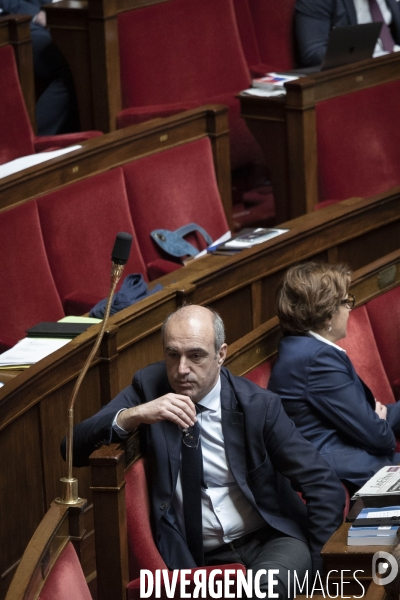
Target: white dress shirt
364 16
227 514
319 337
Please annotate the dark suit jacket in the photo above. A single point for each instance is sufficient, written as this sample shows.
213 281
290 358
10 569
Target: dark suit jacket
333 408
261 443
314 20
21 7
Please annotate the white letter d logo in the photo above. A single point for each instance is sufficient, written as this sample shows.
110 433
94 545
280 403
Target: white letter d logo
387 565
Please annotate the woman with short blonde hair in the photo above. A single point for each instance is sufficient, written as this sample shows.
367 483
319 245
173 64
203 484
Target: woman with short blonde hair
320 390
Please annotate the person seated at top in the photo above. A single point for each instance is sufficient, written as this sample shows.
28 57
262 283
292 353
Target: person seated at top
245 444
319 388
56 103
314 20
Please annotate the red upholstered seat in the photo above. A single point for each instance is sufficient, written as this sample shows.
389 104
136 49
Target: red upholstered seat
16 135
87 215
143 553
177 55
170 189
261 374
384 315
66 580
363 352
28 294
359 142
266 32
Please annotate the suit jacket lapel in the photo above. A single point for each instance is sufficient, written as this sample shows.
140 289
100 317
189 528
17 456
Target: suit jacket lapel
351 11
234 437
395 10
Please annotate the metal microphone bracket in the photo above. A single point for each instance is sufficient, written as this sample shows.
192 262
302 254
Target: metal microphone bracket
69 494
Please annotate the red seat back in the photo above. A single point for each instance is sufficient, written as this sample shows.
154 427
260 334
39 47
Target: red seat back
261 374
266 31
28 294
180 51
363 352
358 138
173 188
180 54
143 553
66 580
16 136
79 224
384 314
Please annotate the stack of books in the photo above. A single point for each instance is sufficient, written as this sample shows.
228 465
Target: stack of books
375 527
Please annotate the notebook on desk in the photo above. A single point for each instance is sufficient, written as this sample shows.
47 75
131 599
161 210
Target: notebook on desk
346 45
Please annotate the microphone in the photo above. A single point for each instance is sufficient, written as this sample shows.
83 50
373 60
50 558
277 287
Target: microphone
119 257
122 248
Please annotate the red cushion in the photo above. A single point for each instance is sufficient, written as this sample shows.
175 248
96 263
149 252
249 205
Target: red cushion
66 580
133 590
16 136
261 374
143 553
266 30
79 224
181 52
384 314
358 141
186 38
28 294
173 188
362 350
158 268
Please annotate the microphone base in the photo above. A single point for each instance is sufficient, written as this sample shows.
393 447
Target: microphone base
70 492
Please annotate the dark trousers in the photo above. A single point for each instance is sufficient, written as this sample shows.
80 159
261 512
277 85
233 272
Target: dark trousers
267 549
56 105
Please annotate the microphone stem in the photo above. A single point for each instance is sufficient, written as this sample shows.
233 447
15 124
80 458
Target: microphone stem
116 272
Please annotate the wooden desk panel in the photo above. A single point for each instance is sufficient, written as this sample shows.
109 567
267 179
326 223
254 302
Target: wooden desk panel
285 127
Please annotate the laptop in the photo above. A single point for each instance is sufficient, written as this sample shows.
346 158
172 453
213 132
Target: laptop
346 45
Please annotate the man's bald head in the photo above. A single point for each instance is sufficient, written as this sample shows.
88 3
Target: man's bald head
202 313
193 352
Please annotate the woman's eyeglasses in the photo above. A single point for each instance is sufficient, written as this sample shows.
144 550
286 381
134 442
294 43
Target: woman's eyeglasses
349 302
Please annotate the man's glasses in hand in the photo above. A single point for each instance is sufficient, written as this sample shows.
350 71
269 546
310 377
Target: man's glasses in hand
191 435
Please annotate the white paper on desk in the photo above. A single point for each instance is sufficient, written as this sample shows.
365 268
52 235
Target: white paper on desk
29 351
384 513
19 164
263 92
385 481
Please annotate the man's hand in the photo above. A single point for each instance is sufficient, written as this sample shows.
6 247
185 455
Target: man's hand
40 18
380 409
172 407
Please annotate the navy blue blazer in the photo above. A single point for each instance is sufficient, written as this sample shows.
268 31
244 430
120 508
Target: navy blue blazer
314 20
333 408
264 451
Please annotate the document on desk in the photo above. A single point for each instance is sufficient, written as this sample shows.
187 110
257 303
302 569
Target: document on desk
24 162
385 482
29 351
